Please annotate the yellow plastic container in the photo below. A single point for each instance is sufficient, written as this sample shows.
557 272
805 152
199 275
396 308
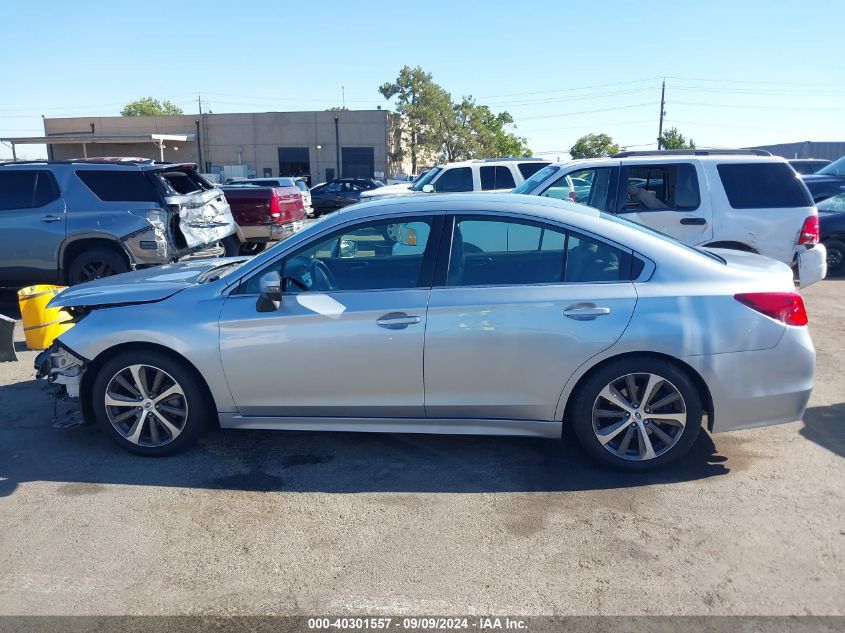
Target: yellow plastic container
41 325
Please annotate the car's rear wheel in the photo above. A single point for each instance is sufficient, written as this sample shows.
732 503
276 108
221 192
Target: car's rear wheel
637 414
252 248
835 258
94 264
149 403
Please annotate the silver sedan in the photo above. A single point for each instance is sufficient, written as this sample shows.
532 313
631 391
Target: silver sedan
471 314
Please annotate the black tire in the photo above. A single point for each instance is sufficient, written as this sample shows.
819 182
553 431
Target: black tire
200 411
252 248
95 264
231 246
835 258
588 393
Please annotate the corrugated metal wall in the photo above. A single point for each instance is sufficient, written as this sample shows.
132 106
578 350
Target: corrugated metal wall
806 149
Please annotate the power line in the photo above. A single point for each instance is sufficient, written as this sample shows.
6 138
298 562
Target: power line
551 116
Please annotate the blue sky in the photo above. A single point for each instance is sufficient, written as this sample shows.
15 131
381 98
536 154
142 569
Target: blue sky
737 73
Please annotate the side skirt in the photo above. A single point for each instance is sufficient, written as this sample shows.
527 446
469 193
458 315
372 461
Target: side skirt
442 426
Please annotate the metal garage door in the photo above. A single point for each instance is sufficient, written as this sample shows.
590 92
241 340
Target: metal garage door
358 162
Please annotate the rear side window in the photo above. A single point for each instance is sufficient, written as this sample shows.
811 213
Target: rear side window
182 181
763 186
529 169
26 189
499 177
118 186
452 180
590 260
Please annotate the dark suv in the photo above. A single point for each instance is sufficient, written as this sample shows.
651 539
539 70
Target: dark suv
333 195
69 222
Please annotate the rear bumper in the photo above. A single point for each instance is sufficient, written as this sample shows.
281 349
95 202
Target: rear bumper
270 232
762 387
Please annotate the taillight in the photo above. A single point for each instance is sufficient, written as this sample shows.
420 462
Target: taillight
809 231
786 307
275 209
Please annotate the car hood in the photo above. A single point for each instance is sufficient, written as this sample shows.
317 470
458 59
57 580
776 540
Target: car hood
140 286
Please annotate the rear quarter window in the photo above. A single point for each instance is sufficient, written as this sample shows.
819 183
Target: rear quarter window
118 186
763 186
529 169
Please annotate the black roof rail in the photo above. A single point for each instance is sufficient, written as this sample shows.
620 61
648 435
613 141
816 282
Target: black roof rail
507 158
693 152
92 161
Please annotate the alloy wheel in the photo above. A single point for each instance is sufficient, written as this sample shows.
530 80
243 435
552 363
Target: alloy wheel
146 405
639 416
94 269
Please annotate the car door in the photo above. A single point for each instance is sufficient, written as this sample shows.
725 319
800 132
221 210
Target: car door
667 197
521 305
347 339
32 226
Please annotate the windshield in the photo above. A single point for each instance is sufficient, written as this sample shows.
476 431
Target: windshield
836 168
658 234
536 179
422 182
836 204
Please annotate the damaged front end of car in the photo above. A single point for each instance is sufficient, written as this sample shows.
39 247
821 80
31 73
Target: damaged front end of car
63 370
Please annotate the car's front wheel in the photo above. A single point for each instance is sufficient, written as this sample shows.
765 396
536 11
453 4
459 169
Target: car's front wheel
149 403
637 414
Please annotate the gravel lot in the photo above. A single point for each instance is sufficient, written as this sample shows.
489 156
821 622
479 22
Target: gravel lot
289 523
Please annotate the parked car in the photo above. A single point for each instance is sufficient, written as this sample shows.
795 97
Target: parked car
743 200
339 193
294 181
390 190
523 314
832 225
265 214
808 165
828 181
472 175
68 222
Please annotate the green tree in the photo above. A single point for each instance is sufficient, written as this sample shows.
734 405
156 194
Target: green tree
672 139
411 90
148 106
594 146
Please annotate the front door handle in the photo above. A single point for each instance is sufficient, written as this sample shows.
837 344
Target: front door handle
51 218
585 311
397 320
698 221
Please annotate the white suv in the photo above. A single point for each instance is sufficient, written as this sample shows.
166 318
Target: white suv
470 175
739 199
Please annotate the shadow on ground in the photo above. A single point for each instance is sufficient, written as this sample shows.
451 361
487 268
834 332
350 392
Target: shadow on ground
32 450
826 427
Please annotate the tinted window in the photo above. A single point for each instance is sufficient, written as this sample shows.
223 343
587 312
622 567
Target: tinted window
377 255
118 186
529 169
586 186
183 181
505 252
763 186
499 177
661 187
590 260
457 179
541 175
26 189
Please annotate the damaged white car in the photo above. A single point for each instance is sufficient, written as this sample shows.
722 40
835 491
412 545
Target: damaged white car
69 222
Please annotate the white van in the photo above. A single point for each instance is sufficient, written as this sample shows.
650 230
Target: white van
739 199
470 175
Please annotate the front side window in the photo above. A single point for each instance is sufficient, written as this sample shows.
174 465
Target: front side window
498 177
454 180
662 187
377 255
586 186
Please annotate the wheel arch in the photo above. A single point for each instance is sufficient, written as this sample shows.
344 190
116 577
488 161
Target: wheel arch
94 366
698 381
72 248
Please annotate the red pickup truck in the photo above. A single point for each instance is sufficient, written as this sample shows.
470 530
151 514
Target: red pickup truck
265 214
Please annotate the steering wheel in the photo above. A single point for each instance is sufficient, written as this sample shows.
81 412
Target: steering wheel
322 277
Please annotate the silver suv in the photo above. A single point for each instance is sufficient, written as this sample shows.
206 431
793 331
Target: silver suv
74 221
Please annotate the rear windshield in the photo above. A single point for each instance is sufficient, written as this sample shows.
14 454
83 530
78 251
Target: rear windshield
119 185
303 186
763 186
183 181
529 169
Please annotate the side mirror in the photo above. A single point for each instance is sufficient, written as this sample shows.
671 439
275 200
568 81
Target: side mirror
270 286
348 248
428 188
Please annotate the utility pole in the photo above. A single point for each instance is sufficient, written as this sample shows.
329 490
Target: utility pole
662 114
343 97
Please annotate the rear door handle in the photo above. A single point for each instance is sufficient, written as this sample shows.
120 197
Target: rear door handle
51 218
397 320
585 312
693 221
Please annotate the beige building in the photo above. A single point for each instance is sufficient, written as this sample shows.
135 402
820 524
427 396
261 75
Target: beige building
322 145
